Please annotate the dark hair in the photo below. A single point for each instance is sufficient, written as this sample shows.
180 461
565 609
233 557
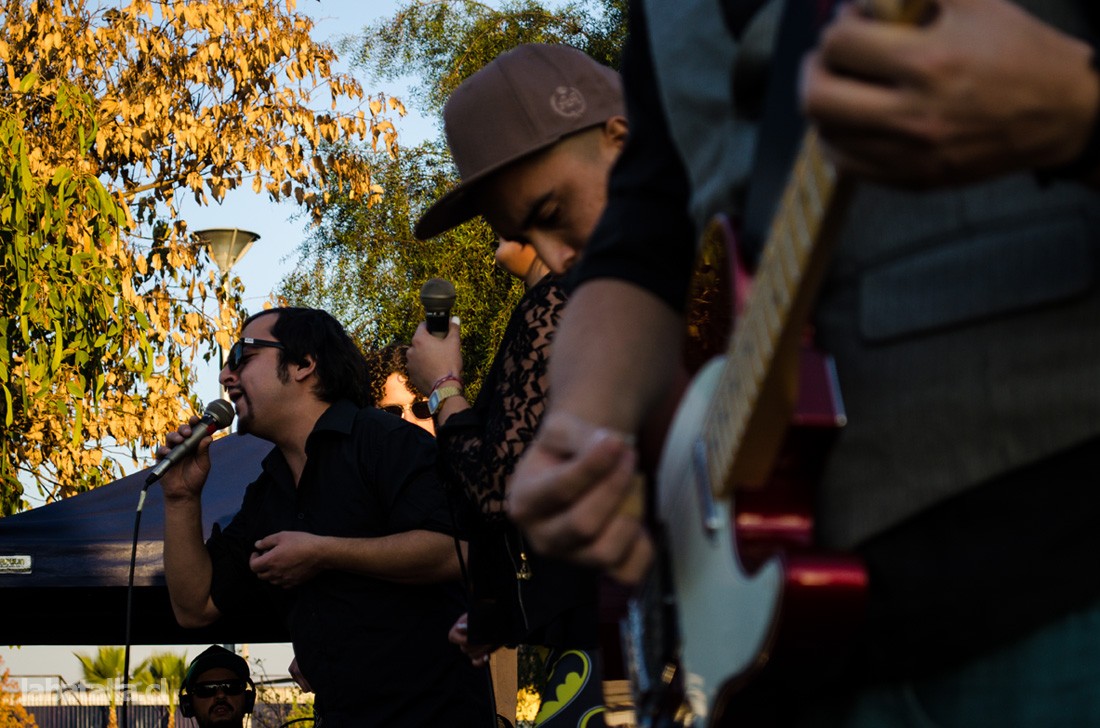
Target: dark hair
386 361
342 371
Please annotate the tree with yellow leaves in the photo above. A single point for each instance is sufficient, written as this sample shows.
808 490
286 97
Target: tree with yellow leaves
110 115
12 712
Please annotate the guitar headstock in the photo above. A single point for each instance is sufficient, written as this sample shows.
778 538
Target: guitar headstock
910 12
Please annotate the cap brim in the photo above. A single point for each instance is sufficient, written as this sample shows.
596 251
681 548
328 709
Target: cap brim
457 206
450 210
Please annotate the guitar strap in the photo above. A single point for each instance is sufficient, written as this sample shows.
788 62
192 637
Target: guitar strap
781 125
1092 9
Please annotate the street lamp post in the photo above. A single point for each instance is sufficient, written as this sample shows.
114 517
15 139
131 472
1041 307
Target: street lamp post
226 246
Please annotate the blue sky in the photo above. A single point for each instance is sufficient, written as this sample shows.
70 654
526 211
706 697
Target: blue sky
272 256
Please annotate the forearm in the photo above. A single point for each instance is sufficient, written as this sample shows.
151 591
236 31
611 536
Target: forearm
413 557
1085 159
1078 136
614 386
187 567
451 405
983 90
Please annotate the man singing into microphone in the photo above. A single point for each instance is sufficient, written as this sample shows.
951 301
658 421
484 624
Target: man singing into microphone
346 533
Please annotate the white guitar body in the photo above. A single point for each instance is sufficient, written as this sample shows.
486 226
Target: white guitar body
726 617
734 426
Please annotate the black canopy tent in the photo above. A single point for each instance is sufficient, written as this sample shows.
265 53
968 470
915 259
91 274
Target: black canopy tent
64 566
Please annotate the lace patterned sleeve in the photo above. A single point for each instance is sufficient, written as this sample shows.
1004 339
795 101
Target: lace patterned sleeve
479 447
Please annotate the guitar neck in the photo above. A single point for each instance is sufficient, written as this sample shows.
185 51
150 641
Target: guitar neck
758 386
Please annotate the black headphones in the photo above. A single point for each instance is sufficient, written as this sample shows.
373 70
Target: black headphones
215 656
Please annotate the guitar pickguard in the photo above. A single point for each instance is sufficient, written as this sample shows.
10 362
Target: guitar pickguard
726 616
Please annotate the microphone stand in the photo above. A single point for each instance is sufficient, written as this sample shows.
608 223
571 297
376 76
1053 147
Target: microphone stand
218 414
129 609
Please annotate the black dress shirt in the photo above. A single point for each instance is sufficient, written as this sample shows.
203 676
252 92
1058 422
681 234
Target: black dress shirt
374 651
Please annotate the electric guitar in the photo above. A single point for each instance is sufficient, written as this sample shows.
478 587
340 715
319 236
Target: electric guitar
741 604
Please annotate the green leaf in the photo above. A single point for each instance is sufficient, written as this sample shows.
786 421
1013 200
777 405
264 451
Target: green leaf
61 177
58 347
28 82
78 422
8 416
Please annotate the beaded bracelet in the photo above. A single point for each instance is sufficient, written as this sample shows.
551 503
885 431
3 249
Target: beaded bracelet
446 378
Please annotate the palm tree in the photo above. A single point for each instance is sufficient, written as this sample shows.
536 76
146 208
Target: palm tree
106 669
164 672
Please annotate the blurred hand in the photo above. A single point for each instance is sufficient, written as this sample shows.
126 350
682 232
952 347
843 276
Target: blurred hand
576 495
431 358
982 89
287 558
478 654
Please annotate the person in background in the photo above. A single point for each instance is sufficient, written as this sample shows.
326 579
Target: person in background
346 533
520 260
393 392
534 135
217 690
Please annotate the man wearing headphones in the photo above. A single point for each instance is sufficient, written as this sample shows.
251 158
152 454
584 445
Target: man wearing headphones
217 690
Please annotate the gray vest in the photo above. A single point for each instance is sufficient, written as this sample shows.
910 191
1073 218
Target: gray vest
965 323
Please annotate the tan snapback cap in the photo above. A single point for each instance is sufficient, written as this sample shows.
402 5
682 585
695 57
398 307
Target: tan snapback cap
523 101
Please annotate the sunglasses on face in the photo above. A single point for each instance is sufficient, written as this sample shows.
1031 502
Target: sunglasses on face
210 689
236 354
419 409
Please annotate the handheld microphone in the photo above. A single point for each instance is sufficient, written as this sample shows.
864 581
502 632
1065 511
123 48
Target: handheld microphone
437 296
218 414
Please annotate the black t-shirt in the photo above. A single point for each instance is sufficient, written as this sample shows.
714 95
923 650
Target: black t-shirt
645 235
375 652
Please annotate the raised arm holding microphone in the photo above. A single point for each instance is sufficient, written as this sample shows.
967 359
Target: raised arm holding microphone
534 135
346 532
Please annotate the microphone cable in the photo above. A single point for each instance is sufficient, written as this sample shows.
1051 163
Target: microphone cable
218 414
129 609
467 586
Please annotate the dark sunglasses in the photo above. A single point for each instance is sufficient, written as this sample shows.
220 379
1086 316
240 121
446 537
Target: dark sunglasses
210 689
236 354
419 409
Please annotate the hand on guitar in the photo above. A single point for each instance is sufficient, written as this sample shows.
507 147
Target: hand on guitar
575 494
980 89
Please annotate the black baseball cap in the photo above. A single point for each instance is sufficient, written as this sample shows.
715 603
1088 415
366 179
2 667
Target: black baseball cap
212 657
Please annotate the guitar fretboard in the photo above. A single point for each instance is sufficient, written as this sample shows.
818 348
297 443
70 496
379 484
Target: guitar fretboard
796 243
